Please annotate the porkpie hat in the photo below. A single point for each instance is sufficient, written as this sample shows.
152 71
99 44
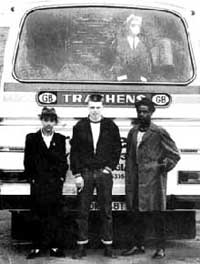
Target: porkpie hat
48 113
145 101
96 97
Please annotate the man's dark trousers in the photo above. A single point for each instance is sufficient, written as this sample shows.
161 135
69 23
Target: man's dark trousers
103 183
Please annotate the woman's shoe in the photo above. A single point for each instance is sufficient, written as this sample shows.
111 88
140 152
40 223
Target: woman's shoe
35 252
160 253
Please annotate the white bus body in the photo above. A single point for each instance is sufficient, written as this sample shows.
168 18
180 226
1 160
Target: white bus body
26 86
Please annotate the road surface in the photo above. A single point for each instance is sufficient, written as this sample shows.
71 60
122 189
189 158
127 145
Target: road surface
177 252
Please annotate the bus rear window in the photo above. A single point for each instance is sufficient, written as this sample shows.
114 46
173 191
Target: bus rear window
103 44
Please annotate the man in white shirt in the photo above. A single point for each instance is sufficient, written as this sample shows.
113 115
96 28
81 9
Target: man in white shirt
95 152
132 58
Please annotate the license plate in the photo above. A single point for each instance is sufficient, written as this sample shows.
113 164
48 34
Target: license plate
116 206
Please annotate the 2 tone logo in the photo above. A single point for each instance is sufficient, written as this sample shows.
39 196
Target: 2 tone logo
47 97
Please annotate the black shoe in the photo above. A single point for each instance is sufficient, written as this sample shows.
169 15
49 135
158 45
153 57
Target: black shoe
159 254
34 253
80 252
135 250
59 253
108 252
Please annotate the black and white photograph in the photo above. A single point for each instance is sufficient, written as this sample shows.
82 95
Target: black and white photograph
99 131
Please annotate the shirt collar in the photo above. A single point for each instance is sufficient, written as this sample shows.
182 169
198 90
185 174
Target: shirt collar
95 122
43 135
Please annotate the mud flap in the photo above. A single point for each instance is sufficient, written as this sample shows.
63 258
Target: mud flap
180 224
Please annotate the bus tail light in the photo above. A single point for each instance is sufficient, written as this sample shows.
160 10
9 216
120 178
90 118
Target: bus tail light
189 177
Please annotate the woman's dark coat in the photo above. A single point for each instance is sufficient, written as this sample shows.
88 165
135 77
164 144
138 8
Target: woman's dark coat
145 175
45 168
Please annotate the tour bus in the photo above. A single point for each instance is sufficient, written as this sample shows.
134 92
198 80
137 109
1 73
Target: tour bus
58 52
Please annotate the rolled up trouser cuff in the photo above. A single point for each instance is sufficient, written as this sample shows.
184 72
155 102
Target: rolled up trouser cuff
83 242
106 242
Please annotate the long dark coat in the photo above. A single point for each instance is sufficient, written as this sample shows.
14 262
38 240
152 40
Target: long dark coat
45 168
145 176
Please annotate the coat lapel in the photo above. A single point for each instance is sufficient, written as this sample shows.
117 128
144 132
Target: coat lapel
53 141
101 130
147 134
134 136
89 134
41 141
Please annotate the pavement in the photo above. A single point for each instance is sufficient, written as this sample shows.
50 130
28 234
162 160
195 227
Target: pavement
177 251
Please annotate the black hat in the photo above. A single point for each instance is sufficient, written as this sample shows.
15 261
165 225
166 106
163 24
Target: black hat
48 113
96 97
145 101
